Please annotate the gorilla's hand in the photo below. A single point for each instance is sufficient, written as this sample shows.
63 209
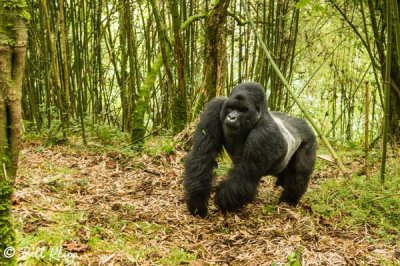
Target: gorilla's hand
197 205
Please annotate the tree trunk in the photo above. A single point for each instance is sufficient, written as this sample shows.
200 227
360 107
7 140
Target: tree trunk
165 47
394 92
179 112
12 62
214 54
394 106
138 124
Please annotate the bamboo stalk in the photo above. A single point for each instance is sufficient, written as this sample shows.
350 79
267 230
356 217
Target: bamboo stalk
366 131
292 93
387 86
396 23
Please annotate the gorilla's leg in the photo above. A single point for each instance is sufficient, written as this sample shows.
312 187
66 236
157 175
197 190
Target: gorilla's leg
200 162
295 177
234 192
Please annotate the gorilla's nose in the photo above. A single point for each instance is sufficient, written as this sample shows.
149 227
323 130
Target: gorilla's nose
232 117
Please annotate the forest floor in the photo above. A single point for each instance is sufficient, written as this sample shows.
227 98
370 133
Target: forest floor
86 206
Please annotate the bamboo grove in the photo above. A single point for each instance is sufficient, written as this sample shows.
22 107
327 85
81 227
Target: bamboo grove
147 67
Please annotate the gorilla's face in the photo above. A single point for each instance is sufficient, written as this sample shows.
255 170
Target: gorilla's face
239 113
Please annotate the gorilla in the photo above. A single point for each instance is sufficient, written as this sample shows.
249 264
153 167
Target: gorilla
259 143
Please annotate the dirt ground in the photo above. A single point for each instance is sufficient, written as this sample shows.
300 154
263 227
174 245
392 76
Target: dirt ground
105 188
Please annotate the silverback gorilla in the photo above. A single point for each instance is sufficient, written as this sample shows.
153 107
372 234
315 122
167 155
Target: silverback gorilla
259 143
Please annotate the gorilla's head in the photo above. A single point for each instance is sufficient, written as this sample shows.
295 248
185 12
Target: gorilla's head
242 110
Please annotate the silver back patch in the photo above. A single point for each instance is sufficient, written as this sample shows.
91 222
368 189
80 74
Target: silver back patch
292 142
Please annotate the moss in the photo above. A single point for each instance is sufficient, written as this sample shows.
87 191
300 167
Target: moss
156 146
178 256
9 11
18 6
15 3
7 234
179 114
138 129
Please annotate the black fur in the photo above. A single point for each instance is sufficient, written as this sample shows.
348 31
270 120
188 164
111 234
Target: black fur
244 127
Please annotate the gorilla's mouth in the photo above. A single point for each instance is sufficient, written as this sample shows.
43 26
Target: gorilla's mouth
232 124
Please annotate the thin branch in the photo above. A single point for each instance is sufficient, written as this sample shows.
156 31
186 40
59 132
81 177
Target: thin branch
146 136
385 197
348 103
239 21
354 28
192 19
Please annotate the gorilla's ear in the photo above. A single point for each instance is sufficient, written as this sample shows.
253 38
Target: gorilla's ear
258 108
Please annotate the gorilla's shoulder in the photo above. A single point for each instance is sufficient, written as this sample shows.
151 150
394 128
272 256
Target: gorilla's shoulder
278 114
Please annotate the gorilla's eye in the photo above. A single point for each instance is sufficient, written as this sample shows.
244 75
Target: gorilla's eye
239 97
229 109
243 109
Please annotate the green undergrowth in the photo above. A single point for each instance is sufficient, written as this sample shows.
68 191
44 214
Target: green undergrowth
100 139
48 243
178 256
360 202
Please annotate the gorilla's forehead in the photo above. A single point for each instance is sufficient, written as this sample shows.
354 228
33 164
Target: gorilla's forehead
234 102
251 91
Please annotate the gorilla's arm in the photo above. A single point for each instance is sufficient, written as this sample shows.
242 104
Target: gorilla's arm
200 162
241 185
239 188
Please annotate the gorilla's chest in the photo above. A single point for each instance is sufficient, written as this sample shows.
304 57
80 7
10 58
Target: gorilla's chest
234 144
